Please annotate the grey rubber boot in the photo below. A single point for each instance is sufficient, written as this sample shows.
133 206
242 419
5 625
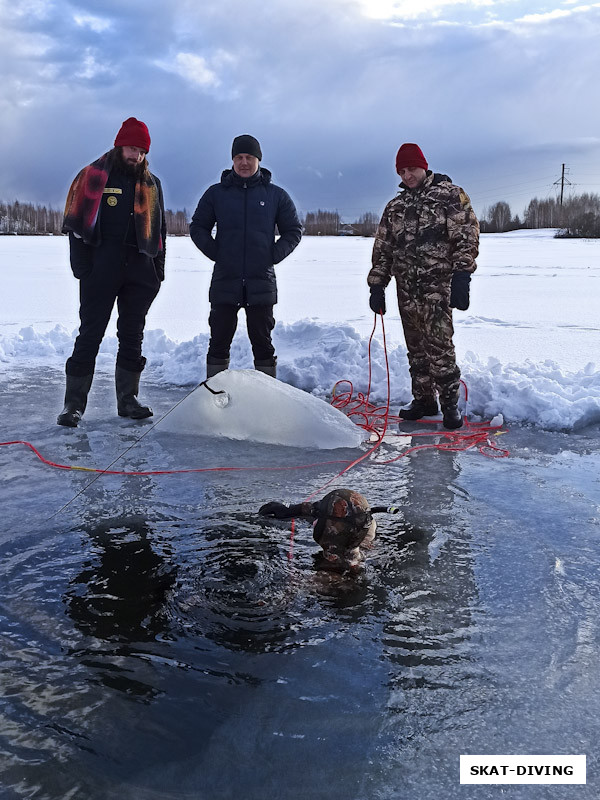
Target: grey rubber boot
127 385
76 395
215 365
269 367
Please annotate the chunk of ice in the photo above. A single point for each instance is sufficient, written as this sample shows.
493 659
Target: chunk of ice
262 409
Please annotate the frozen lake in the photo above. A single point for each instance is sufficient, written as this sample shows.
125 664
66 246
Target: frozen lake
159 640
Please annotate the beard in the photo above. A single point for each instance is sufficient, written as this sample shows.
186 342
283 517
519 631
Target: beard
134 169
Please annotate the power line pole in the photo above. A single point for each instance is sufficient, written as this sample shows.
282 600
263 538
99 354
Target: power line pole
562 181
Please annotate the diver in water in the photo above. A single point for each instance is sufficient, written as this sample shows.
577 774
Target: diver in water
343 525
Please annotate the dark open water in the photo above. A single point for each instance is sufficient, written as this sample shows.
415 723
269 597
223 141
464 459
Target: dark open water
157 641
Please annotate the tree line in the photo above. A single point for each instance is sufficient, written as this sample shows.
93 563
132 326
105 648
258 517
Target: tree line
27 219
578 216
329 223
31 220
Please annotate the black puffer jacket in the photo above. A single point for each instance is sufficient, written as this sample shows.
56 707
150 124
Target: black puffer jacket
246 212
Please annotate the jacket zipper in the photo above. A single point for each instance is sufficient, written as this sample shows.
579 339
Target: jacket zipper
245 243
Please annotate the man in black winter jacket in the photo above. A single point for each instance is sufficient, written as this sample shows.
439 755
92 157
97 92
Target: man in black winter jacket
247 209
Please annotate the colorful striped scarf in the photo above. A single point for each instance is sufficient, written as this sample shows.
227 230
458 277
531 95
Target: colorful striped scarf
83 206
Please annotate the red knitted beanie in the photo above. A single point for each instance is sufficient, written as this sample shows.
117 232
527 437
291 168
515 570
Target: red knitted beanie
410 155
133 133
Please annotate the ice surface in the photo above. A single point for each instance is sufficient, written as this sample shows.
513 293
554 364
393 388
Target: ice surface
257 408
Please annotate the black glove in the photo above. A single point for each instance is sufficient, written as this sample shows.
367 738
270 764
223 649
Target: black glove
377 299
459 290
275 509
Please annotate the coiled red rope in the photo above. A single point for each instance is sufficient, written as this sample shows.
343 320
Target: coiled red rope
377 419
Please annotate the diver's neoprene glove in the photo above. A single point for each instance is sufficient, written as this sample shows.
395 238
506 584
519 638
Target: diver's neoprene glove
275 509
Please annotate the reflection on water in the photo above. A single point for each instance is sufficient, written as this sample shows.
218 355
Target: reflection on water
430 600
119 597
120 593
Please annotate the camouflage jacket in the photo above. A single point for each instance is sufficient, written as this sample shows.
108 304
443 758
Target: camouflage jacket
425 235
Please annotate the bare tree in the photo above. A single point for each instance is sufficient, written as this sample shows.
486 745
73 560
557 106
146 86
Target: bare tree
367 224
497 218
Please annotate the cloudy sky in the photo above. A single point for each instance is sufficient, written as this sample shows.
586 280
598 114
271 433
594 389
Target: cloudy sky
498 93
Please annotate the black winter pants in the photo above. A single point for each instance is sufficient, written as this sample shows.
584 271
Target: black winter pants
223 323
123 274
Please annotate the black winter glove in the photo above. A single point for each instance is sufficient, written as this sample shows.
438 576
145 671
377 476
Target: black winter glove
275 509
377 299
459 290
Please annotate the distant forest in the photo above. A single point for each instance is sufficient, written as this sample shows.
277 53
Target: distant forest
577 217
29 220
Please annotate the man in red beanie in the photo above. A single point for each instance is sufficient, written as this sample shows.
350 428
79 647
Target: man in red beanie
428 239
115 219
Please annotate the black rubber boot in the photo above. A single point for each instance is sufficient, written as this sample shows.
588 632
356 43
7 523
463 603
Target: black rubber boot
128 385
423 407
215 365
452 417
76 395
269 367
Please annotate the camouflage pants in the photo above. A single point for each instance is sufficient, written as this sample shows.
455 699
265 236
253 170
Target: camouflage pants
427 322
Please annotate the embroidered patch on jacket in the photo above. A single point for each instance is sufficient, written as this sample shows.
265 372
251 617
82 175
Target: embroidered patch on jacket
465 200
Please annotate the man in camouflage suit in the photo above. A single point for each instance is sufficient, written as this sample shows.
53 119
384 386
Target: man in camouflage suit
428 240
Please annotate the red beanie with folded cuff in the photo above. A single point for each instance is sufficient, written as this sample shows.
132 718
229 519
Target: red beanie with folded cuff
133 133
410 155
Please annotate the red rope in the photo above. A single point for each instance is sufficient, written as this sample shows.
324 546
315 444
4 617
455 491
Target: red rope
164 471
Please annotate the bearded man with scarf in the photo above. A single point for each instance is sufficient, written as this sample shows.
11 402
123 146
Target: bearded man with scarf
115 219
